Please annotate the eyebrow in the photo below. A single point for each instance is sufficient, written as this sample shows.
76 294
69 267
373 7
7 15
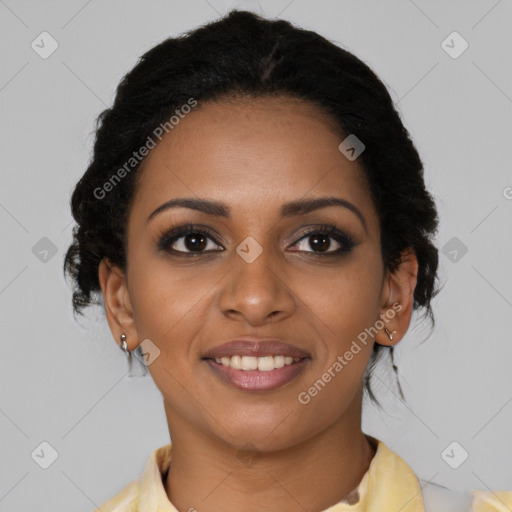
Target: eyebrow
291 209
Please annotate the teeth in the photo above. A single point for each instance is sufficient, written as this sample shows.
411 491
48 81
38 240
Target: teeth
263 364
278 361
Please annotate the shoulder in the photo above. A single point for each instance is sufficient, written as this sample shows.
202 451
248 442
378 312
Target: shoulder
145 492
492 501
124 501
436 497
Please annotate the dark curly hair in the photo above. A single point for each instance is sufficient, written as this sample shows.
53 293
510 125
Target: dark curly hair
247 55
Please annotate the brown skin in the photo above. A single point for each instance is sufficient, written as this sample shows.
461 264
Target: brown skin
254 156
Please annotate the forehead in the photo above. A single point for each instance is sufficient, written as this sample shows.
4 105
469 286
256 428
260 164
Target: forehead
250 152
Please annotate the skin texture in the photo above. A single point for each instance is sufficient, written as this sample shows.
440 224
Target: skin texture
255 155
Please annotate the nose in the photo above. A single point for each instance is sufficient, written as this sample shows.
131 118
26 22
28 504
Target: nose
257 291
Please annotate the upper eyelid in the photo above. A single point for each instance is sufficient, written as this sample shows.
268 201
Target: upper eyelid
186 228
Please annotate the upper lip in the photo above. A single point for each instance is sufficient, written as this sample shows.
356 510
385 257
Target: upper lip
255 347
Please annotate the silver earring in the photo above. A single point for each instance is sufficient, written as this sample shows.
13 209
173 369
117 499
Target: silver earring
124 345
390 334
142 367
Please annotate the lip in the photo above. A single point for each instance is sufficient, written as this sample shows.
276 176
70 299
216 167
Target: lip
255 380
256 347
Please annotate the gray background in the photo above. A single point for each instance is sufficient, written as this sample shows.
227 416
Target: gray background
65 383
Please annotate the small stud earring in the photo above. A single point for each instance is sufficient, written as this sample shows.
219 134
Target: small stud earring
390 334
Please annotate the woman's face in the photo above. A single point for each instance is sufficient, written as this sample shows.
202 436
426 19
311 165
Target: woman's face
254 273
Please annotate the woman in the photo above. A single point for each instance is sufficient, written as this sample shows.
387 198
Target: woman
256 220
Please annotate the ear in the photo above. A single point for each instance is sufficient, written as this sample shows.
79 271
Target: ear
397 299
118 306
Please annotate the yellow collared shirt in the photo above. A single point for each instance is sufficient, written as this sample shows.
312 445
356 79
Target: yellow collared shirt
389 485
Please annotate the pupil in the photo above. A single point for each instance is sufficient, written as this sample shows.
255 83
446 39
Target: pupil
195 241
323 245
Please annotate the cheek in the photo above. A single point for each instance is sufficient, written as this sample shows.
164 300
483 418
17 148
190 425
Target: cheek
341 307
166 298
172 305
343 301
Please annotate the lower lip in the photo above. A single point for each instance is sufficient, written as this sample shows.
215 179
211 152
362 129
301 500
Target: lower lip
256 380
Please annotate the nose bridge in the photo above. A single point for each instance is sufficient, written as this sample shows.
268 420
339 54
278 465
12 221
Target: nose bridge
256 282
256 263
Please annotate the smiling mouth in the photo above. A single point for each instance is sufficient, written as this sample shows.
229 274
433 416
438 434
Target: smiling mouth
264 373
263 363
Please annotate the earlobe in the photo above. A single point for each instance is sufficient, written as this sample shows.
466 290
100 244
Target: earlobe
118 307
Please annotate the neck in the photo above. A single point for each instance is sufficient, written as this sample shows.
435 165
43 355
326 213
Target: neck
207 474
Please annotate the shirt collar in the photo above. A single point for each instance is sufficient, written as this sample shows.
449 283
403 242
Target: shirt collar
389 484
152 495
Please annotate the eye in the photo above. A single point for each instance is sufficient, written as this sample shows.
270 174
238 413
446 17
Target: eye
198 240
188 240
319 239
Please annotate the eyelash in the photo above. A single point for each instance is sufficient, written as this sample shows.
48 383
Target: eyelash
167 238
